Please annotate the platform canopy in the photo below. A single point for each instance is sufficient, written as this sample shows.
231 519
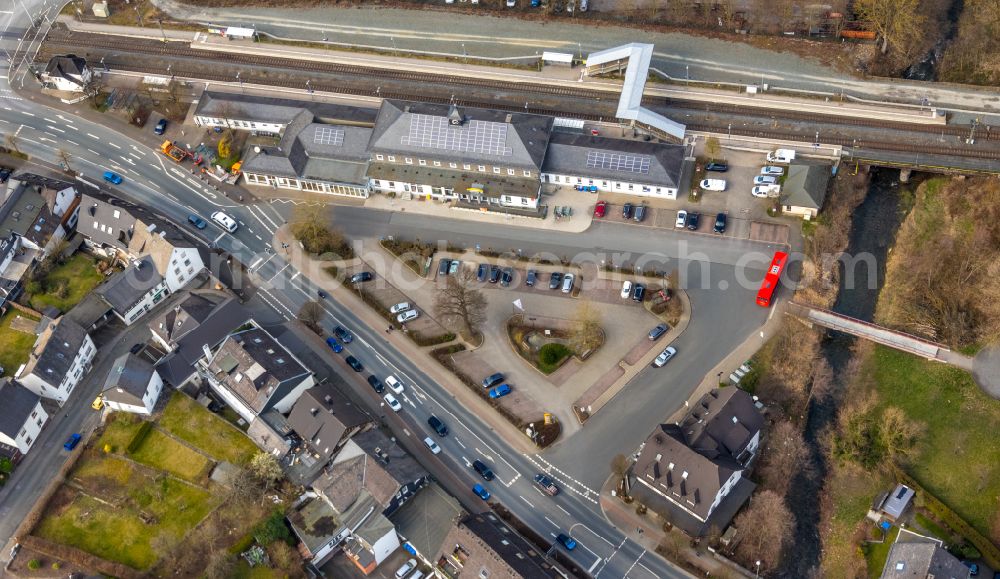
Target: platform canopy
557 57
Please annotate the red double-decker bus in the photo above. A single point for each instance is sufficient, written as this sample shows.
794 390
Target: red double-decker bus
770 282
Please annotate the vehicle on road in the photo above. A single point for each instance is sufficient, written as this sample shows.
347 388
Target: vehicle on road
407 316
530 280
112 177
493 380
395 385
321 294
627 211
334 345
376 384
406 568
692 221
354 364
72 441
567 283
444 266
198 222
626 289
506 276
600 209
657 332
343 335
453 267
439 427
682 218
717 166
483 470
547 485
556 280
224 221
435 449
713 184
500 391
481 492
765 180
98 403
720 223
566 541
136 348
638 292
482 272
664 356
361 277
494 273
400 307
176 154
772 170
770 283
392 402
161 127
639 214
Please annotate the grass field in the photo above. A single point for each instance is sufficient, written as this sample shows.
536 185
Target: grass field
164 453
851 492
119 431
15 346
876 553
958 456
80 277
189 421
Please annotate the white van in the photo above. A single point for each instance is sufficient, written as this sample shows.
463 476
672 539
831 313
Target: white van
224 221
713 184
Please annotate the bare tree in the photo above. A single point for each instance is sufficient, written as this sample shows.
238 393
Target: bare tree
311 314
266 470
712 147
316 235
897 22
461 304
672 545
620 465
770 524
11 140
64 158
785 456
587 333
220 565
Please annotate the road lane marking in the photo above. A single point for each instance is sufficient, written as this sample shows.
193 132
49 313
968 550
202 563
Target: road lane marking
94 152
114 145
55 129
591 570
526 500
73 143
273 306
459 443
69 126
634 563
551 521
27 113
279 272
49 120
564 510
92 136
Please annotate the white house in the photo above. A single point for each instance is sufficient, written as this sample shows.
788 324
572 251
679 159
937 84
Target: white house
175 257
58 360
133 385
21 418
68 73
133 292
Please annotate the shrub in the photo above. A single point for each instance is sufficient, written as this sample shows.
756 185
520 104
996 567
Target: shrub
272 529
34 564
551 356
139 437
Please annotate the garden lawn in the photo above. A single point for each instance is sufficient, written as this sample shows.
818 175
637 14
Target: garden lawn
191 422
164 453
958 455
876 553
15 346
120 430
78 273
850 493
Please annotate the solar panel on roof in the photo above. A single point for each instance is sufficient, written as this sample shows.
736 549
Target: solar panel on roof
329 136
433 132
618 162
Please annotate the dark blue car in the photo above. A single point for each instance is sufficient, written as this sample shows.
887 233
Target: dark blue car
197 221
500 391
334 345
74 439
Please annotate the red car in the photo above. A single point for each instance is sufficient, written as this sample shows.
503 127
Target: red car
600 209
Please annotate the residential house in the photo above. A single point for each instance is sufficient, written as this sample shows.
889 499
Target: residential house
692 473
39 211
425 520
804 189
253 373
21 419
133 292
14 264
107 225
58 360
896 503
325 419
484 546
133 385
68 73
914 556
177 258
321 529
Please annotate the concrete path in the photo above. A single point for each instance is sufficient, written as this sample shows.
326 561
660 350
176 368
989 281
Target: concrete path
986 370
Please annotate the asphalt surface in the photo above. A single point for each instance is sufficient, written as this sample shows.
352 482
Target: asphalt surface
721 320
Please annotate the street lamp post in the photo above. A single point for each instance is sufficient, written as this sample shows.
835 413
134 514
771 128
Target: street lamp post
239 80
687 74
729 134
757 572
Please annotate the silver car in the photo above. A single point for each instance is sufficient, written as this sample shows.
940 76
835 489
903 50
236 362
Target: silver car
664 356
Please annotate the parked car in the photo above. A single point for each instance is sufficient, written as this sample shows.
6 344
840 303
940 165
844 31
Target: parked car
482 272
5 174
376 384
334 345
626 289
567 283
406 568
627 211
532 276
407 316
506 276
717 166
72 441
500 391
161 127
361 277
136 348
439 427
682 217
481 491
343 335
713 184
693 219
566 541
600 209
493 380
664 356
98 403
392 402
494 273
640 213
658 331
720 223
556 280
764 180
444 266
772 170
483 470
395 385
400 307
198 222
547 484
453 268
435 449
354 364
638 292
763 191
112 177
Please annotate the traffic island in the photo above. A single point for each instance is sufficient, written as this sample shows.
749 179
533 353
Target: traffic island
547 345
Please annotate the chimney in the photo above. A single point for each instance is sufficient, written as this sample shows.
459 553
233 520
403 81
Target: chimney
509 117
93 209
313 411
328 399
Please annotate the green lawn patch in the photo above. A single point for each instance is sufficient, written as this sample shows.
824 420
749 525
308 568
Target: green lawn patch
933 528
119 431
876 553
66 284
189 421
15 346
107 469
957 458
164 453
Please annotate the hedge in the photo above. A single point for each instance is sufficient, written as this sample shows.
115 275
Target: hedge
139 437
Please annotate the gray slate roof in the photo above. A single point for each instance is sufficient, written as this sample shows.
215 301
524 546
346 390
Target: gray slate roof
805 185
568 154
322 415
17 403
252 364
55 349
425 520
128 379
398 128
271 110
489 540
126 288
300 155
177 366
184 317
914 556
23 207
69 67
99 222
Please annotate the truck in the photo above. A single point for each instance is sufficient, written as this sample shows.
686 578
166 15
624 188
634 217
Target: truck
171 150
781 156
546 485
